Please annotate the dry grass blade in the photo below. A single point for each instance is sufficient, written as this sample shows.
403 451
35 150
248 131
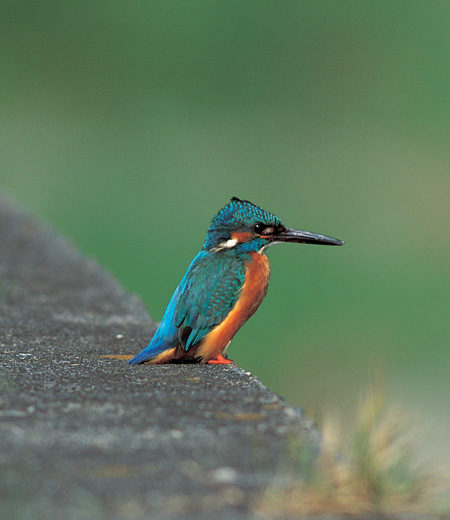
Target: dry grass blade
370 469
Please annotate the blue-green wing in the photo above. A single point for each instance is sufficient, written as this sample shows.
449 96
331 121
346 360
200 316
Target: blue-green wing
209 291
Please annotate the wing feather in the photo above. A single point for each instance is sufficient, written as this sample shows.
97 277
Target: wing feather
209 291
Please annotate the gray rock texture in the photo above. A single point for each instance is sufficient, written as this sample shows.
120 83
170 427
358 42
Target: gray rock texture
89 437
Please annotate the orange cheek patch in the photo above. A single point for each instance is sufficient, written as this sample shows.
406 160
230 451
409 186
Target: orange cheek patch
241 236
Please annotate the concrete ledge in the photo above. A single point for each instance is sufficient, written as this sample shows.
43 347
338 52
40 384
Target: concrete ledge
87 437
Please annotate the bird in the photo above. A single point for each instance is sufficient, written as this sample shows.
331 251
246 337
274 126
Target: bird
223 286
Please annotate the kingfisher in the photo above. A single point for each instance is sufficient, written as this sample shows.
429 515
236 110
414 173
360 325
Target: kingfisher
223 286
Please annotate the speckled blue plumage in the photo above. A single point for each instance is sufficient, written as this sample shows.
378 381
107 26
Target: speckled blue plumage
238 215
204 297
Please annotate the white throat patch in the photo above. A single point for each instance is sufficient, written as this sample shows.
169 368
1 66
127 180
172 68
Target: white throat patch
262 251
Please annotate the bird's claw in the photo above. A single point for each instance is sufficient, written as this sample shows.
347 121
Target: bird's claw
220 360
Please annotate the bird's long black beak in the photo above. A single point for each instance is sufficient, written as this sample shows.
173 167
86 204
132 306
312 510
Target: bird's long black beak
305 237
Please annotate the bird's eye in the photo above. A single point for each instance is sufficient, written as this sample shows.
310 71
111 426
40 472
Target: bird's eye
259 228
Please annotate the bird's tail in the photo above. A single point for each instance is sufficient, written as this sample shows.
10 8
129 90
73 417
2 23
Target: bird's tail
155 348
162 346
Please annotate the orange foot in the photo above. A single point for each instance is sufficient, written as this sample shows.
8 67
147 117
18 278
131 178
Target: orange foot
118 356
220 360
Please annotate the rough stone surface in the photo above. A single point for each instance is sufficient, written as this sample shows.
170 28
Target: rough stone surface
83 436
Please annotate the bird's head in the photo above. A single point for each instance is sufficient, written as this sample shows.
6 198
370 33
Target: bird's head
242 226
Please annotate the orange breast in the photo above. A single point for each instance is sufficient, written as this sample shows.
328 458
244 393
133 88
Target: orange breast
252 294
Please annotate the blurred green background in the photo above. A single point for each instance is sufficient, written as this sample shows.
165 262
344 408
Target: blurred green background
127 125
